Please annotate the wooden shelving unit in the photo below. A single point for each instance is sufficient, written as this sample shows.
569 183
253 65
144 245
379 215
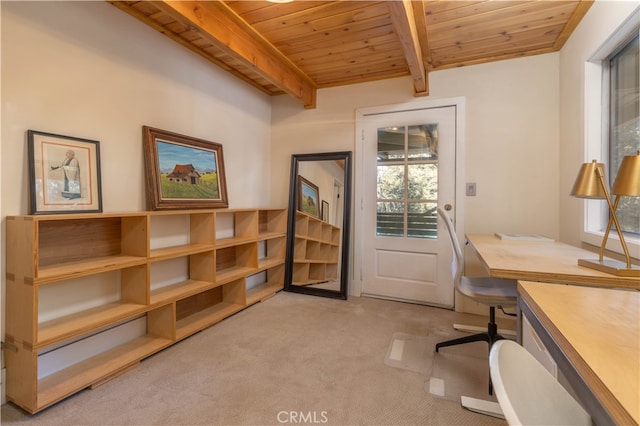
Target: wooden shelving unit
316 250
138 282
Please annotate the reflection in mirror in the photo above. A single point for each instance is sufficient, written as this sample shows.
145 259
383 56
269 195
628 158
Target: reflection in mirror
318 225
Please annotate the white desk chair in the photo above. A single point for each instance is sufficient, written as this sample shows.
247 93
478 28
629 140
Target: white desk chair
493 292
528 394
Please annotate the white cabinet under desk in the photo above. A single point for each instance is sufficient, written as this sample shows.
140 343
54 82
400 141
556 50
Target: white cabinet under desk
593 336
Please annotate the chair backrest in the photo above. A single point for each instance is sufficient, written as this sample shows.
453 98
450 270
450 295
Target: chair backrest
527 393
456 263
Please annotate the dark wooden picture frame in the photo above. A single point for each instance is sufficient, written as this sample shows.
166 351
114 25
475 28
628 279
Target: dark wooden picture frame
308 197
183 172
64 174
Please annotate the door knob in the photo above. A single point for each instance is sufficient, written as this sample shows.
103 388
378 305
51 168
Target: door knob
448 207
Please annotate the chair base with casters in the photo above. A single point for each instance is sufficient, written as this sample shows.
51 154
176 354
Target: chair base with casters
508 334
494 292
490 336
527 393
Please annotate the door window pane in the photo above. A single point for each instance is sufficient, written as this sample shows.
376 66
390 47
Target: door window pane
423 142
390 219
422 220
422 182
390 182
407 176
391 144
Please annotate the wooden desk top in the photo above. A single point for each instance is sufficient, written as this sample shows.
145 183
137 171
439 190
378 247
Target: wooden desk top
548 261
600 336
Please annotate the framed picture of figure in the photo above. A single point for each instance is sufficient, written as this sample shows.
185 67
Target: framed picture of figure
325 211
64 174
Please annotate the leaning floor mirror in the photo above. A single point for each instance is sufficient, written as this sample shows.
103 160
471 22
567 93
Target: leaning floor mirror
318 224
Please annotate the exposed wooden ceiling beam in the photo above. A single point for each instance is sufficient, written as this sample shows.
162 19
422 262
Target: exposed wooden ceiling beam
404 22
296 48
220 25
420 14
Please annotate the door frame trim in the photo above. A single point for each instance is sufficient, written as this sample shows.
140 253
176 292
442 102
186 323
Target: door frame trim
361 113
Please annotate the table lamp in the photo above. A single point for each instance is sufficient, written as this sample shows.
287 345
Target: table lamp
590 183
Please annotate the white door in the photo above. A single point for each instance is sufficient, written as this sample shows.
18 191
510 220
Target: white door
408 170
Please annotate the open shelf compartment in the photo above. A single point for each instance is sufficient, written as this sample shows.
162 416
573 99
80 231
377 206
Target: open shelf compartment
302 224
272 222
271 251
183 276
236 262
300 273
204 309
315 230
85 245
127 294
180 234
265 284
235 227
159 334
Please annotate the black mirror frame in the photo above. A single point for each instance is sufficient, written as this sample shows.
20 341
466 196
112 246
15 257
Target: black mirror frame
346 225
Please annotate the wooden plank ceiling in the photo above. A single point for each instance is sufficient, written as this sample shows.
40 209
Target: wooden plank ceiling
297 47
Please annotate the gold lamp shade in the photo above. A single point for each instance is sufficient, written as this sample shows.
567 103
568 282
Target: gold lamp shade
588 183
628 179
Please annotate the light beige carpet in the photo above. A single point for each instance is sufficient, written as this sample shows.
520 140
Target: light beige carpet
292 357
452 372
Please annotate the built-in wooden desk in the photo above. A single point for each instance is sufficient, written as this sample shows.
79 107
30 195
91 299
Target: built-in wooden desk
595 340
548 261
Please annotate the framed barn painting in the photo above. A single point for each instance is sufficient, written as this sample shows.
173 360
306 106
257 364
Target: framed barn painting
183 172
64 174
308 197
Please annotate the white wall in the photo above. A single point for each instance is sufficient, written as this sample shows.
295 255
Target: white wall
86 69
330 127
602 20
512 142
512 137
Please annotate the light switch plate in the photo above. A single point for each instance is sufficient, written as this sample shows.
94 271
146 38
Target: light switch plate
471 189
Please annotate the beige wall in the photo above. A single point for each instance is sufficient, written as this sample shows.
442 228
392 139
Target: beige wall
330 127
597 26
524 136
511 138
86 69
512 142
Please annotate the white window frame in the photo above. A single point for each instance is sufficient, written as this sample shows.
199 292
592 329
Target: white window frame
596 134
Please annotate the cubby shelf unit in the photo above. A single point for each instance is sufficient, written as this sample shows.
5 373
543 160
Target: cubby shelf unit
125 286
316 250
